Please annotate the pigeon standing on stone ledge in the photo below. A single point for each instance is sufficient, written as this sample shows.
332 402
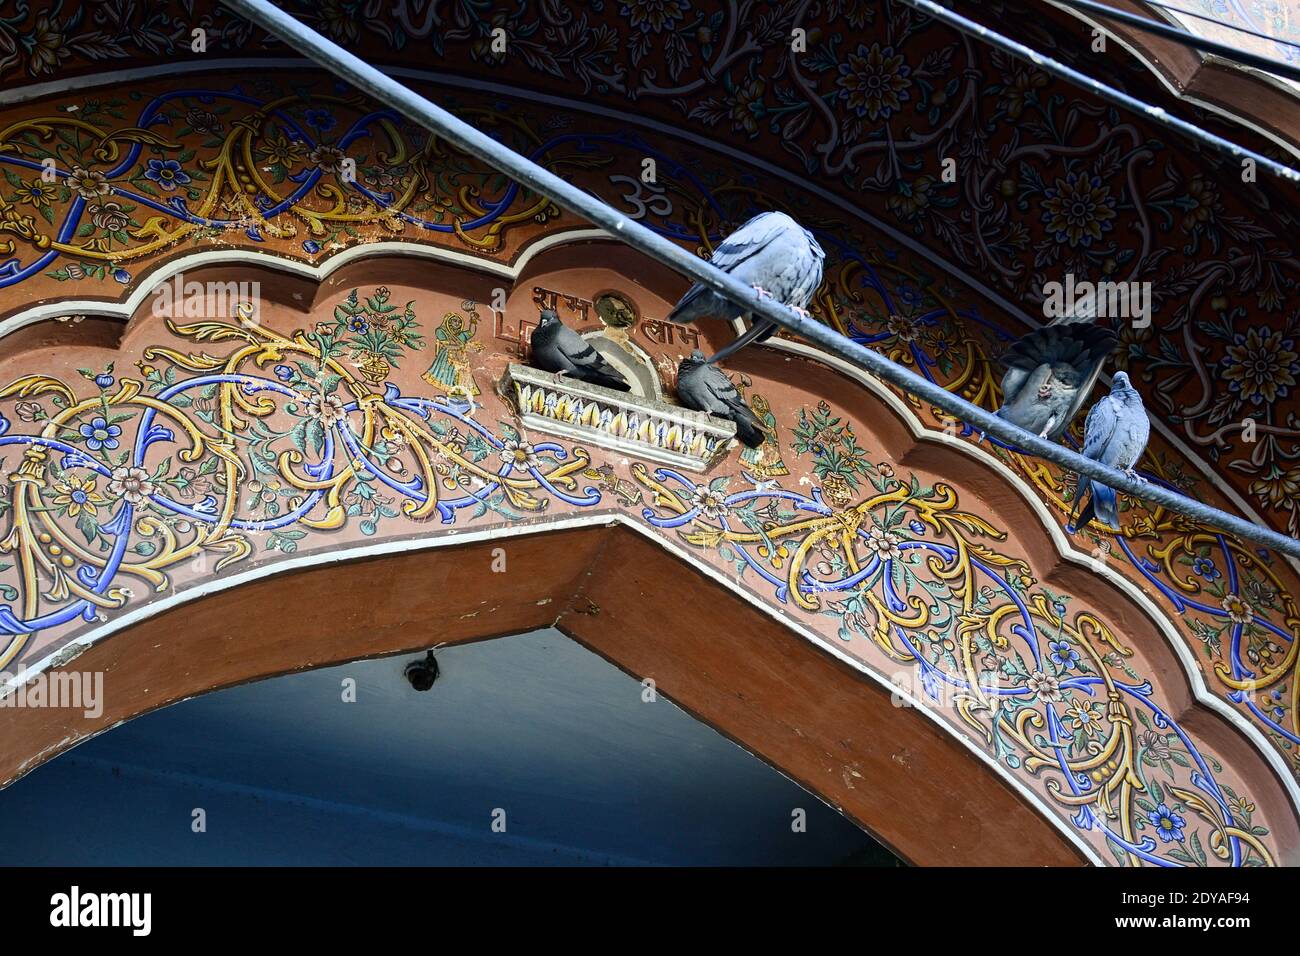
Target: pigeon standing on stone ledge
557 348
772 253
706 388
1115 434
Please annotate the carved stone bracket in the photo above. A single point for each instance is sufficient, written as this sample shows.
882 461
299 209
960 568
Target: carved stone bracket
652 430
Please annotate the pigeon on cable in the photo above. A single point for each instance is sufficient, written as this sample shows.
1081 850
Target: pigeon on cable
772 253
1050 373
1115 433
706 388
557 348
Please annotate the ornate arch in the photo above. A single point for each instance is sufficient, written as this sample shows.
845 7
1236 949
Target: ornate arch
913 558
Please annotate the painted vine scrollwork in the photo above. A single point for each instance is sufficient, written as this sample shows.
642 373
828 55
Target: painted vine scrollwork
1050 692
276 439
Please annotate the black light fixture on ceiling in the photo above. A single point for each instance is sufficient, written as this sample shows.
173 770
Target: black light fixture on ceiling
422 672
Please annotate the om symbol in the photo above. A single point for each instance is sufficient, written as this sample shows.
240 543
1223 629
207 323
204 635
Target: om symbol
656 202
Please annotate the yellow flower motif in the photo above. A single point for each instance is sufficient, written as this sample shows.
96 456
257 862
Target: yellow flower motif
1280 488
1261 366
1019 89
1085 716
1078 209
37 192
78 496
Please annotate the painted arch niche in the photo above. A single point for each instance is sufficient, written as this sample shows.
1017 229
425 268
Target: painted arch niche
895 622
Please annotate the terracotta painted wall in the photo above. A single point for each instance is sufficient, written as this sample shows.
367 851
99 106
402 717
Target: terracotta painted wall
214 446
229 167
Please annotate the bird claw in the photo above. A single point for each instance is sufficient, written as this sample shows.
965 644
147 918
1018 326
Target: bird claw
803 312
761 292
1132 473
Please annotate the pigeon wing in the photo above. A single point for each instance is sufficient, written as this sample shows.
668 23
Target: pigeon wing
584 358
1099 431
723 391
1013 381
749 240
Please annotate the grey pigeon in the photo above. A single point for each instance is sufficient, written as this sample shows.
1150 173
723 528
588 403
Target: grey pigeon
1050 373
772 253
1115 433
557 348
706 388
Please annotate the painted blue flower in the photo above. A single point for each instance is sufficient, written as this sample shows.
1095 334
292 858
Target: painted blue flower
1168 824
320 119
1205 568
100 434
167 173
104 380
917 526
283 373
1064 654
122 276
910 295
311 246
358 325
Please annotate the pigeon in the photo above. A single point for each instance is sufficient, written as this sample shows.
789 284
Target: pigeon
706 388
1050 373
557 348
775 255
1115 433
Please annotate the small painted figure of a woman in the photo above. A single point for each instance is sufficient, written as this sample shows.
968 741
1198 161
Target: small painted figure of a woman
450 371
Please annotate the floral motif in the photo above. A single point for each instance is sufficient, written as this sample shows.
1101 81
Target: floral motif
874 82
1261 365
1169 825
519 455
100 433
77 494
167 173
88 183
1078 209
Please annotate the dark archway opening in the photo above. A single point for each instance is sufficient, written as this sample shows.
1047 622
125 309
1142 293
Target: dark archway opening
527 750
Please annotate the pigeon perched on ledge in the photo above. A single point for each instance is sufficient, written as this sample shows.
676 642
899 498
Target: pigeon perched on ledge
772 253
1050 373
557 348
706 388
1115 433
